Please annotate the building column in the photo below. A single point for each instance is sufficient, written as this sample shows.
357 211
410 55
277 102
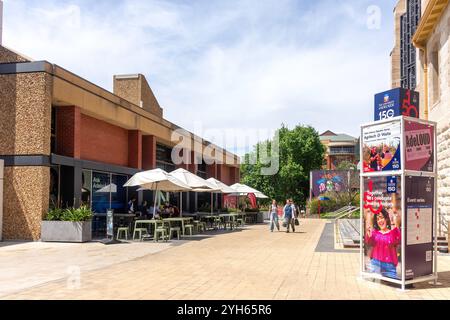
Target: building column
78 185
328 162
68 123
135 149
148 152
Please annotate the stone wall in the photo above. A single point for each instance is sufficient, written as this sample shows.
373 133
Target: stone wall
25 109
440 111
26 198
8 56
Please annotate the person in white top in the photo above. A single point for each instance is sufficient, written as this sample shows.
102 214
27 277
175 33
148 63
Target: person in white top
273 214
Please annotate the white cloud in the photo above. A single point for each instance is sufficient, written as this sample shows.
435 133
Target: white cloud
240 64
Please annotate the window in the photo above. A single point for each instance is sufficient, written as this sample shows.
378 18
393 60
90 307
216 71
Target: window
118 193
53 131
435 90
342 150
101 185
86 194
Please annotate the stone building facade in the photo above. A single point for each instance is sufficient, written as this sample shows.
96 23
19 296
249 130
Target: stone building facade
432 41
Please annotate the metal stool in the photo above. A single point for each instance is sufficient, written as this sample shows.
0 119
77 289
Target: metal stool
190 227
163 232
142 232
122 230
175 229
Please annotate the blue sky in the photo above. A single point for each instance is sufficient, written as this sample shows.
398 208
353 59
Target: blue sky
224 66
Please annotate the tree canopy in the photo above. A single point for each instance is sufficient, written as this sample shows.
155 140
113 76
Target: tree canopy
299 151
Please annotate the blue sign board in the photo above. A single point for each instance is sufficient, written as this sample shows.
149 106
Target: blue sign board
396 102
391 186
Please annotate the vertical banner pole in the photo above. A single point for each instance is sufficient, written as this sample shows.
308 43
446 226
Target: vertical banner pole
403 200
435 205
361 207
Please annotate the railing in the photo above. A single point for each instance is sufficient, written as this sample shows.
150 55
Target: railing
346 211
443 224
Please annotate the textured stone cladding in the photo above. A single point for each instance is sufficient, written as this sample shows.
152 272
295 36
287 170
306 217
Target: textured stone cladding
26 197
444 167
128 89
440 112
7 56
25 111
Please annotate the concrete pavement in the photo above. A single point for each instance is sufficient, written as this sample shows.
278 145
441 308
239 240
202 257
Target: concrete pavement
252 263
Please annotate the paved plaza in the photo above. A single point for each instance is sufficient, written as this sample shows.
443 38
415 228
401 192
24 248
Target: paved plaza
250 263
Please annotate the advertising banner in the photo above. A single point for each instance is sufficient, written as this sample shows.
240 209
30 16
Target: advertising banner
419 146
382 226
109 223
419 203
396 102
329 181
381 147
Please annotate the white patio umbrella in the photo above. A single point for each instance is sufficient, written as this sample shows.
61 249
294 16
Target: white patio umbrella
243 190
196 183
156 179
112 187
222 187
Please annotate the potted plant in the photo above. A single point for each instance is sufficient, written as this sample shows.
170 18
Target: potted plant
67 225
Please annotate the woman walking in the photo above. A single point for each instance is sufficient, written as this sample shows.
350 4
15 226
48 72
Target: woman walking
273 214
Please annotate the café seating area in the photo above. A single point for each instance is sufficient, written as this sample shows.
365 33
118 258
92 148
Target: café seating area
138 229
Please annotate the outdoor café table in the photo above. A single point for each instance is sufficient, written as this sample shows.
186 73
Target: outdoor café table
146 222
228 217
208 219
179 219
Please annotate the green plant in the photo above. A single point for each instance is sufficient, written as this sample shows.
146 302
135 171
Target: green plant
205 208
83 213
54 214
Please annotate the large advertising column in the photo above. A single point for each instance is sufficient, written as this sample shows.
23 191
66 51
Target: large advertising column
398 201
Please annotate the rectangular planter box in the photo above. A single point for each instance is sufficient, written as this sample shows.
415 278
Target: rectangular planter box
66 231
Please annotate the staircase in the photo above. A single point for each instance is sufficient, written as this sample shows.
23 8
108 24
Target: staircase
348 232
442 244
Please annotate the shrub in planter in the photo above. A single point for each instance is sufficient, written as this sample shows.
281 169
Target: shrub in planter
69 225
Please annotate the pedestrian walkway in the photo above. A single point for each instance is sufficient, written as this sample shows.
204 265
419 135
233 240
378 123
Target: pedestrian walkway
249 264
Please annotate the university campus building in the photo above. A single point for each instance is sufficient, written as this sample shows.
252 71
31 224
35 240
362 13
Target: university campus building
429 44
67 141
338 148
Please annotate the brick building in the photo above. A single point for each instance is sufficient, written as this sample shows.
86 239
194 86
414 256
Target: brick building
65 140
338 148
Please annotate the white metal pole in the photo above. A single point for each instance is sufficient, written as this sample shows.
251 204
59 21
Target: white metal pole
403 202
361 207
181 204
435 205
154 203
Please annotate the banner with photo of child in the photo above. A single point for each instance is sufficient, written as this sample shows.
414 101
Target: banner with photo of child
382 226
381 147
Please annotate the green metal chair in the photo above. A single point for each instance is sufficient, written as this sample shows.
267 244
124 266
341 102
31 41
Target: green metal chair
173 230
124 231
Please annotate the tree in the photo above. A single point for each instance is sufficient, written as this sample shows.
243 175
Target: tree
299 152
351 193
346 165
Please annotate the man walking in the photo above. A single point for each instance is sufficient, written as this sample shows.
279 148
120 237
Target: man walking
289 216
